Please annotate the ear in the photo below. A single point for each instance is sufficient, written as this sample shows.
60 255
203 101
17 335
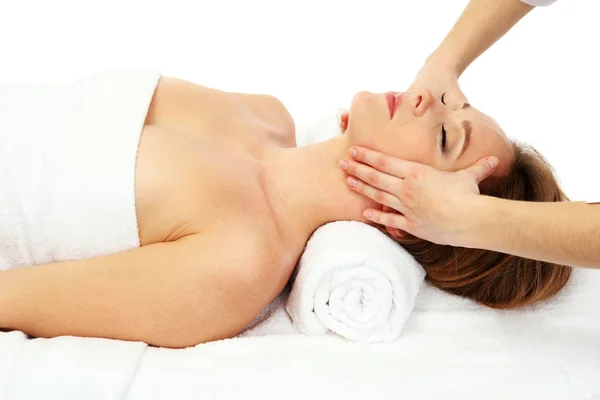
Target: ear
344 118
394 232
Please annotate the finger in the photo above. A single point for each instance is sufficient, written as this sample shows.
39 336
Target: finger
382 162
482 168
372 176
397 233
387 209
380 196
392 220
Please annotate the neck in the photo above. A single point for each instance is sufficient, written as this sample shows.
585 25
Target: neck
306 188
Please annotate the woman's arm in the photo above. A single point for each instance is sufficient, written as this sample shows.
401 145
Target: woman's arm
175 294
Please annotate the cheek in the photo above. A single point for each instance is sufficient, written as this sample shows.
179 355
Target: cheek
411 143
487 146
408 140
411 150
364 125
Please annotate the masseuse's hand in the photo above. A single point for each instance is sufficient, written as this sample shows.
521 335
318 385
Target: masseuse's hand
431 204
439 79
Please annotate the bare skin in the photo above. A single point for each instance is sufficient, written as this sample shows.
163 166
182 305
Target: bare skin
450 210
225 205
211 254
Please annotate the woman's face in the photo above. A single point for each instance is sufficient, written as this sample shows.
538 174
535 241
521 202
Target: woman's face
448 135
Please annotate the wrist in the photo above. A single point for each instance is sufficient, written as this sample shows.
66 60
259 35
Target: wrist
472 220
445 63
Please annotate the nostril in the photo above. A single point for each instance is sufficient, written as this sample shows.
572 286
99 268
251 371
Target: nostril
419 99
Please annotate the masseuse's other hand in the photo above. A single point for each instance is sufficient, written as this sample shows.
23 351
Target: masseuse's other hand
439 79
431 204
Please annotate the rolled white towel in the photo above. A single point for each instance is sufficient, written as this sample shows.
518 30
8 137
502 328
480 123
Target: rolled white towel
355 281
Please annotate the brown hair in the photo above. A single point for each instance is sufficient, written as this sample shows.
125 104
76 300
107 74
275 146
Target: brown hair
495 279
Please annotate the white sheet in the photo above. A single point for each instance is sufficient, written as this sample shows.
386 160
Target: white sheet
451 348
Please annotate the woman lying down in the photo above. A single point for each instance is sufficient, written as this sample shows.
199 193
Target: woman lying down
148 208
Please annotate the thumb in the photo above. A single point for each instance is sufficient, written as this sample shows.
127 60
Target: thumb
483 168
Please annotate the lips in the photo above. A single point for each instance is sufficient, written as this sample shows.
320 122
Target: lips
397 102
391 99
394 100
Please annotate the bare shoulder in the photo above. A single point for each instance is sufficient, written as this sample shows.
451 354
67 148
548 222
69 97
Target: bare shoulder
240 249
271 110
253 252
182 105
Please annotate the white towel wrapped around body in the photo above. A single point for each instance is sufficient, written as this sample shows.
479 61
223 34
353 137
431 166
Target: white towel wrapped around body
67 166
355 281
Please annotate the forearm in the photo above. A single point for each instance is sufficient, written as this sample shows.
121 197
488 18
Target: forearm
563 233
480 25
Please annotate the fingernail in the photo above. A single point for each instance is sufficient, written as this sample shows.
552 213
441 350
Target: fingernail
493 161
351 182
343 165
368 214
353 152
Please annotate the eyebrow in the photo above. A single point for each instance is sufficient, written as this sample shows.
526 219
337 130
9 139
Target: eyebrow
467 138
465 105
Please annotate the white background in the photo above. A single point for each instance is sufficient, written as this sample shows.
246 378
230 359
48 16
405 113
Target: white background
541 81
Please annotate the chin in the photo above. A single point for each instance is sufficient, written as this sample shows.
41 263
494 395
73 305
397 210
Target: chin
355 139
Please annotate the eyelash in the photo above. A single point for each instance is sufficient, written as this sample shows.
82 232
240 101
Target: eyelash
443 128
443 138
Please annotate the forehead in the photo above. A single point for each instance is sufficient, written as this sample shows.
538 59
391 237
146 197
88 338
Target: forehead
487 139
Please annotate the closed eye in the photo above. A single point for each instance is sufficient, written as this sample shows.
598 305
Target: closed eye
443 139
443 143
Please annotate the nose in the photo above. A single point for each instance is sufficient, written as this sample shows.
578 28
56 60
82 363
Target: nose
422 101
